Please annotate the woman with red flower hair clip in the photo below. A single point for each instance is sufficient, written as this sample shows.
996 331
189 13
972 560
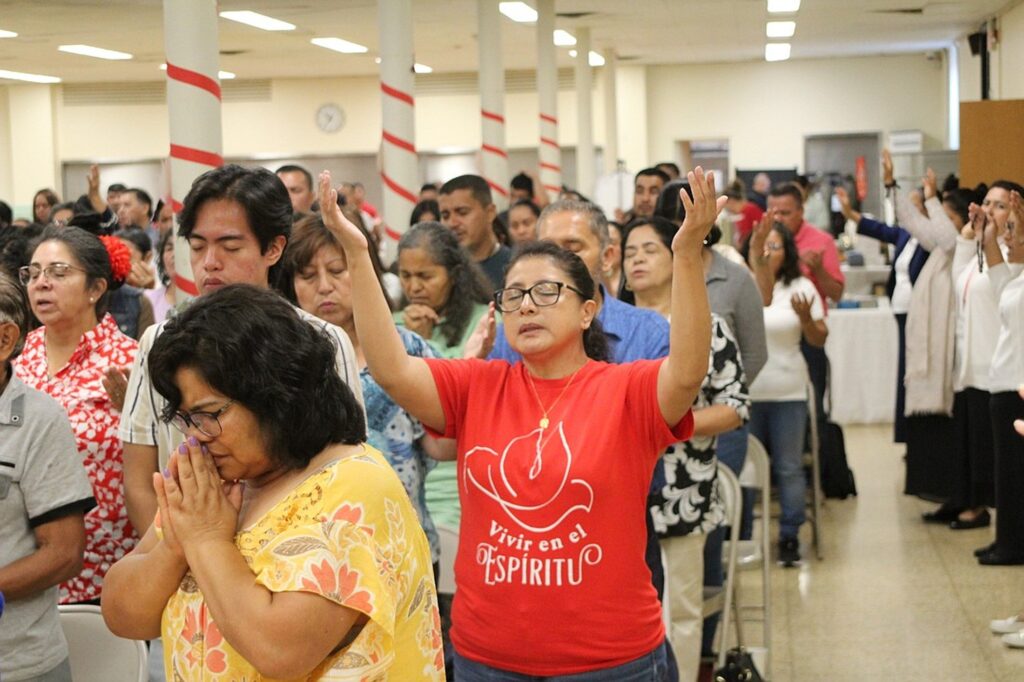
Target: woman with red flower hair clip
70 278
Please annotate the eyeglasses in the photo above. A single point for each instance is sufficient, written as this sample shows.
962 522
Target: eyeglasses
54 272
542 294
208 423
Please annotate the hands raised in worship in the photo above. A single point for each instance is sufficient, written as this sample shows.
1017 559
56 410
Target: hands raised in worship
701 212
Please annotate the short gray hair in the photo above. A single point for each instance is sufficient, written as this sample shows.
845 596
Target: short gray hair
595 216
13 308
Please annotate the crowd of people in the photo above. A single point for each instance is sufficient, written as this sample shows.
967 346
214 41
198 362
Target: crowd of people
253 480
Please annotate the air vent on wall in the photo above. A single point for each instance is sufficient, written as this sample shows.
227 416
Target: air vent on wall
154 92
908 11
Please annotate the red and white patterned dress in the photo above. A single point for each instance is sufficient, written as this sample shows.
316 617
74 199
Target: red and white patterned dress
78 387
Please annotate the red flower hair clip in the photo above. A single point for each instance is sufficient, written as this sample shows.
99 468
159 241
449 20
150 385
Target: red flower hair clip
120 257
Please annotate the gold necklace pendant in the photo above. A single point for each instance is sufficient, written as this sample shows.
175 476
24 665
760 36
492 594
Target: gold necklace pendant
544 422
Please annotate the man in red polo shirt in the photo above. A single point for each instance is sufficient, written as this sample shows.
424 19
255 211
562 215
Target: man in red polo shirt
819 258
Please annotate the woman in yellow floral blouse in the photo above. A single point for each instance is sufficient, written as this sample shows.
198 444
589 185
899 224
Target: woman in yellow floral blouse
284 546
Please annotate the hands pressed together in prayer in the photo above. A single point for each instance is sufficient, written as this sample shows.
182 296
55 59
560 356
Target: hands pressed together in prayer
196 506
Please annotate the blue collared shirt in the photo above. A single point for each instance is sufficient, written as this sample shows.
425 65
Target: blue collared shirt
633 333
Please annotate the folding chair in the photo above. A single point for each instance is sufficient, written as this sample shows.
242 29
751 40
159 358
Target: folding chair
817 496
723 599
96 654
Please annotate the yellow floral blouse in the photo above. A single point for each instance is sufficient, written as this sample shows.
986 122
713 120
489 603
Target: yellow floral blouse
347 533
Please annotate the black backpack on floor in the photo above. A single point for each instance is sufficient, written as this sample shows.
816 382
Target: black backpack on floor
836 476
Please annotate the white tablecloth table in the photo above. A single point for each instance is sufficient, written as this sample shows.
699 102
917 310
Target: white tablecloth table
863 348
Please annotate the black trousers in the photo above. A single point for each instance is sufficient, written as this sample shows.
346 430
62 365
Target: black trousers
1009 470
974 484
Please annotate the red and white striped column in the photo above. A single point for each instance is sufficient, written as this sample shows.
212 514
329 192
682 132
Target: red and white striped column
193 108
585 115
493 153
547 95
398 162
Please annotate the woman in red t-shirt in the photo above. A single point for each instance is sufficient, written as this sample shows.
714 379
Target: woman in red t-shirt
555 455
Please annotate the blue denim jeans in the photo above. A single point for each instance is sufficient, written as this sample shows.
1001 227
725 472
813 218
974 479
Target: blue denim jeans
782 427
650 667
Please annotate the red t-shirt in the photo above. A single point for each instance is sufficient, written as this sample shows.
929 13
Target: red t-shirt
750 215
550 573
810 238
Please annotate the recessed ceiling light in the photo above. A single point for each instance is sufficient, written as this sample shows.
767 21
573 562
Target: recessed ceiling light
376 60
573 53
563 38
780 29
518 11
98 52
257 20
30 77
422 68
595 59
776 52
781 6
7 34
340 45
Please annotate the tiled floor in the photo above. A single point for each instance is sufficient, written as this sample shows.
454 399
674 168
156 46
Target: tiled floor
893 598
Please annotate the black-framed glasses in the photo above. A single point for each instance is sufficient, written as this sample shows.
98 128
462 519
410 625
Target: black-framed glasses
543 293
208 423
54 272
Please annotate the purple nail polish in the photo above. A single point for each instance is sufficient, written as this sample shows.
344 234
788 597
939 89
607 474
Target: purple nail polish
167 473
182 449
204 449
192 441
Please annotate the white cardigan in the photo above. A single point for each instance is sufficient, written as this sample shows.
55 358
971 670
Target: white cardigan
930 330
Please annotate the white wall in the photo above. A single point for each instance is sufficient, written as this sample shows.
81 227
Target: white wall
1006 77
765 110
30 142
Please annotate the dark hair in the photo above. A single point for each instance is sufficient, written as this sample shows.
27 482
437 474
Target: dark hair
425 206
161 244
469 284
143 197
788 189
138 237
736 190
528 204
251 345
309 235
260 193
65 206
1008 185
92 256
116 187
14 308
15 247
672 209
790 269
596 220
522 181
666 231
292 168
474 183
428 185
656 172
961 198
90 221
595 342
6 214
51 198
670 165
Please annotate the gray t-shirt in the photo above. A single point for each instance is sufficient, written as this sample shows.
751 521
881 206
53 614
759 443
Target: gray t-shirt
41 479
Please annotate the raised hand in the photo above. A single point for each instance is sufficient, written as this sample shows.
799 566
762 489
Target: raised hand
887 173
975 222
350 236
115 383
812 259
481 341
93 179
845 206
701 211
931 185
759 235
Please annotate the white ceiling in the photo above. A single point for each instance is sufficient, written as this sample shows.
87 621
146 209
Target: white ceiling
641 31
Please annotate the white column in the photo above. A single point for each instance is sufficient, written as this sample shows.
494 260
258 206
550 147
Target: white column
29 146
585 115
547 95
398 161
193 109
611 111
493 153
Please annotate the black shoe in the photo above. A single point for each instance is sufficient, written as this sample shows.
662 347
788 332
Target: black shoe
987 549
982 520
943 514
789 552
999 558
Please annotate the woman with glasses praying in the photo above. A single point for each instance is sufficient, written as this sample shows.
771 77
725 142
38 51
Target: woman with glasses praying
778 416
284 546
69 281
555 455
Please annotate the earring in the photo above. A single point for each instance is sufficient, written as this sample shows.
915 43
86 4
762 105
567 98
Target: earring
92 300
627 287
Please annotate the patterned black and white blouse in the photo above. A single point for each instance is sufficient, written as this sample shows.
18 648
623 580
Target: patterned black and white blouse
688 501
